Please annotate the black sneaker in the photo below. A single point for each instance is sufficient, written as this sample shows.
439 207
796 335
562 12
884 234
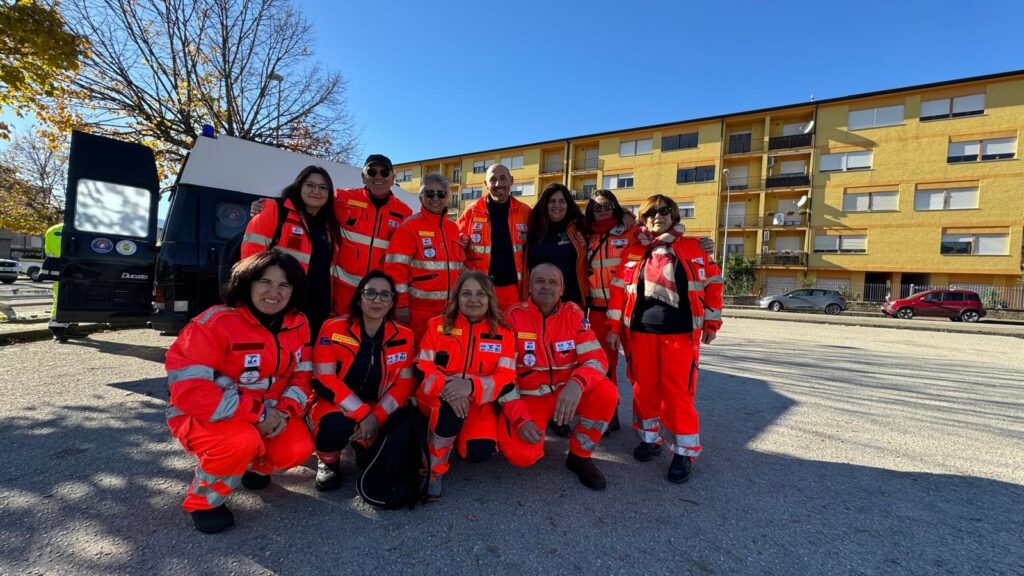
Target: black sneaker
679 470
613 424
563 430
435 489
328 476
586 471
255 480
644 451
213 520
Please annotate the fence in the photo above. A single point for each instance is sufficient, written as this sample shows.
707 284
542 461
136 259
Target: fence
994 297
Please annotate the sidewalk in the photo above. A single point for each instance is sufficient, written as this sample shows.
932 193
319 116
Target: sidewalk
989 327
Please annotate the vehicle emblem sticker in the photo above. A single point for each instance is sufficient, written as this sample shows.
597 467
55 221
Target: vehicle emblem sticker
102 246
126 248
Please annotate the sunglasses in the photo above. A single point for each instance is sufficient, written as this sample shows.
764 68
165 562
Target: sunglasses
385 296
431 194
602 207
384 172
663 211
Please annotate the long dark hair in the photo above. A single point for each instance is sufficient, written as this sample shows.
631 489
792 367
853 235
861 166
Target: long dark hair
293 192
617 211
238 289
538 225
355 312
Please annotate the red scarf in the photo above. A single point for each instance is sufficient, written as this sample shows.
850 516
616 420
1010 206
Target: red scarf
660 271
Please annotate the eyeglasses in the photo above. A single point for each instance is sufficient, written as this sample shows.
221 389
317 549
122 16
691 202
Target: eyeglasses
314 186
384 172
663 211
602 207
431 194
370 294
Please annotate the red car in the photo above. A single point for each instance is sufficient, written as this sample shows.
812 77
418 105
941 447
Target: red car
956 305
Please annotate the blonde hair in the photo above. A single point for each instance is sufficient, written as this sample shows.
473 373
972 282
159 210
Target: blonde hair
493 314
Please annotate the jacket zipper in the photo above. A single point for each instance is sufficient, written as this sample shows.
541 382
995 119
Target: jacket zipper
469 353
551 351
373 234
447 260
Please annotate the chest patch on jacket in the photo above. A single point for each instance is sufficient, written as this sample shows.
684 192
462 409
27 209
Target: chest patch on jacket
397 357
620 242
565 346
488 347
252 360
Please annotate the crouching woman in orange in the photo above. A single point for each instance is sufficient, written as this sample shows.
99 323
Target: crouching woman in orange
363 364
239 378
467 357
666 301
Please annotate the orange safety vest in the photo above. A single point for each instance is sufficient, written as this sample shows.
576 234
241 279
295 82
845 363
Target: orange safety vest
484 354
294 238
475 223
424 258
366 232
604 254
226 366
336 349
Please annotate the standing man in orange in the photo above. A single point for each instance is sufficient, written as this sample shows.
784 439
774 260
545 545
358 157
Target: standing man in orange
496 227
425 257
369 217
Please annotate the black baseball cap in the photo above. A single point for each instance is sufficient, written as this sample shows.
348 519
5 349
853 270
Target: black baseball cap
378 159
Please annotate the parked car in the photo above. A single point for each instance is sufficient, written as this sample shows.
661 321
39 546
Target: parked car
829 301
956 305
31 269
8 271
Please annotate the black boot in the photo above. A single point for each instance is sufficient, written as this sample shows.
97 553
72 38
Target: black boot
613 424
328 476
646 450
255 480
563 430
586 471
213 520
679 470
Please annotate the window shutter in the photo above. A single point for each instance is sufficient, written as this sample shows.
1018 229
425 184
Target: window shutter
644 146
963 198
993 244
855 243
858 160
931 108
826 243
929 199
830 162
889 115
861 119
1000 146
967 104
885 201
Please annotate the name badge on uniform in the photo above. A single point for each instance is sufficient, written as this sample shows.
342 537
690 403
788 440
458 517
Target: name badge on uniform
565 345
428 242
619 243
249 376
397 357
344 339
252 360
488 347
529 359
297 230
429 253
529 345
701 274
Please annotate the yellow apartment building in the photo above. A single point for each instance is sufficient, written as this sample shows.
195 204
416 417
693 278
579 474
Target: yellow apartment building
872 194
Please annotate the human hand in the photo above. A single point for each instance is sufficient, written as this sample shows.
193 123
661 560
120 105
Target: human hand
256 207
529 432
613 340
708 336
568 400
275 423
456 393
366 429
464 240
707 245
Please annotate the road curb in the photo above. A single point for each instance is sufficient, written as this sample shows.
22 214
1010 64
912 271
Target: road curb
874 322
43 333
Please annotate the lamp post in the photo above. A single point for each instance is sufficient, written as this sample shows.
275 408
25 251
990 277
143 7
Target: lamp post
275 77
728 205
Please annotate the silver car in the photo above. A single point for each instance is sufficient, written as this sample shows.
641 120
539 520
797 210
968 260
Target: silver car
829 301
8 271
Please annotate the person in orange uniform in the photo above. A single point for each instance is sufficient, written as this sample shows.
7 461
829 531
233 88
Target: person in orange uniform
555 236
561 373
363 365
309 232
369 217
496 226
425 257
466 358
239 378
666 301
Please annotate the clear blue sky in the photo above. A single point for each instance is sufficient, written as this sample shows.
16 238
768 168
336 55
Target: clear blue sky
430 79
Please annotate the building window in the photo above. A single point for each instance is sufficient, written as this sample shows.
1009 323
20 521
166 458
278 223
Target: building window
588 191
952 107
481 166
685 209
695 174
512 162
472 193
457 175
992 149
403 176
976 244
618 181
522 189
734 246
946 199
679 142
875 117
845 244
844 161
870 201
636 147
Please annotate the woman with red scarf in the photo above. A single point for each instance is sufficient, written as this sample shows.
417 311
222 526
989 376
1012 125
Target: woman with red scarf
666 300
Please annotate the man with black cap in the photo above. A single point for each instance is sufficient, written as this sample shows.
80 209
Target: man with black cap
368 217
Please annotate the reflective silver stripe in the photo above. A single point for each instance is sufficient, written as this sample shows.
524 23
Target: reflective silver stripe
193 371
717 279
599 293
227 406
650 424
509 396
365 240
599 425
648 436
480 249
172 412
698 322
618 283
431 264
596 365
695 286
225 382
341 274
405 373
351 403
631 289
712 314
517 248
296 393
388 403
506 362
397 259
324 367
542 390
487 388
439 442
614 315
304 258
428 384
305 366
213 497
682 444
426 355
263 384
425 295
401 288
587 347
209 313
585 442
256 239
608 262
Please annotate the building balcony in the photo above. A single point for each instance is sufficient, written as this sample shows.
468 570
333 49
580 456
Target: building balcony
587 164
741 147
792 141
551 168
784 258
788 219
788 181
734 221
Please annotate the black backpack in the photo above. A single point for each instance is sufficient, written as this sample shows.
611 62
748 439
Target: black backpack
395 466
232 252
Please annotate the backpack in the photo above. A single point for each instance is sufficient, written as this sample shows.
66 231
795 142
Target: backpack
394 467
232 252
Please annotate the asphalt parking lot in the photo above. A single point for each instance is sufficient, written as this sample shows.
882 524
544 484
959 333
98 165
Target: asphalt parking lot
829 449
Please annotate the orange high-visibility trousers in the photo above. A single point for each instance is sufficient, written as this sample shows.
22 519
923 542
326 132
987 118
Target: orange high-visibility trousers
597 324
481 423
663 370
227 449
593 413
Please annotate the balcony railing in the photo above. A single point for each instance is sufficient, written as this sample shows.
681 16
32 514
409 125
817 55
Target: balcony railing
791 141
785 219
739 146
741 221
784 258
788 181
587 164
551 168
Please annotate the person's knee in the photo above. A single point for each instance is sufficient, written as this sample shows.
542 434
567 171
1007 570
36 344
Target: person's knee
333 432
480 450
448 423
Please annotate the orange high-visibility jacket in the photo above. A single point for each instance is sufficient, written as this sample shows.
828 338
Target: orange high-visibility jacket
226 366
366 232
475 223
605 253
484 354
424 258
336 349
550 351
705 285
294 238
